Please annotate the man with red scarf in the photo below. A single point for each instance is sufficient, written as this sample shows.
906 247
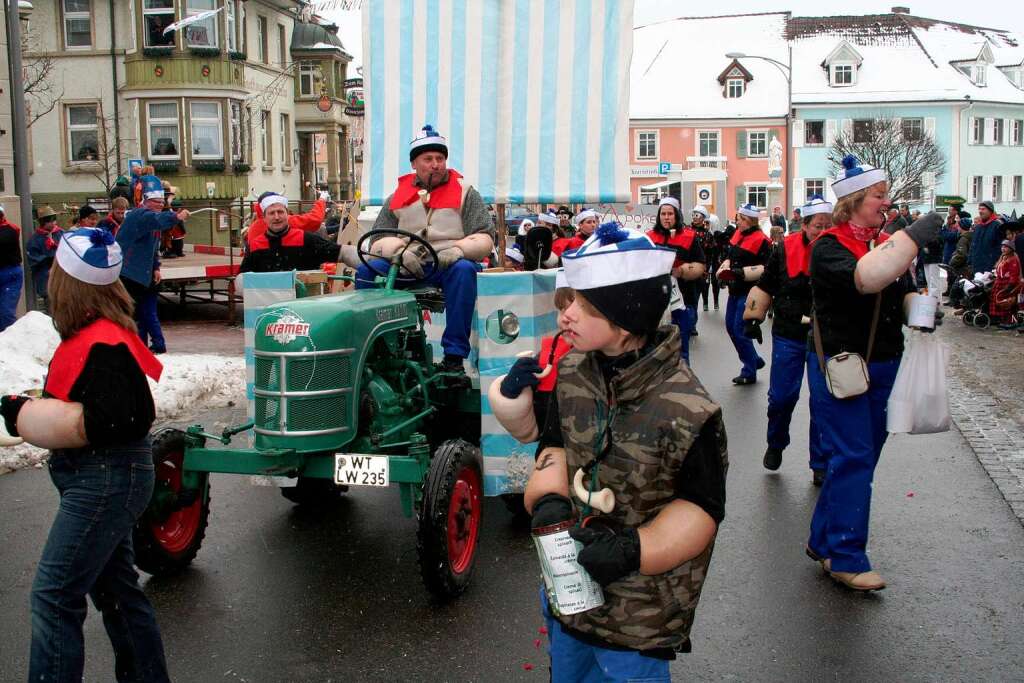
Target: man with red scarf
40 250
11 274
786 284
435 203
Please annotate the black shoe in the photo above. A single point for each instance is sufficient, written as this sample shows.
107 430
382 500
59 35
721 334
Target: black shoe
716 307
693 332
760 363
818 477
157 350
706 307
452 364
742 381
772 458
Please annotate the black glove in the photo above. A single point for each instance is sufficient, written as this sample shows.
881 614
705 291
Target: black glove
10 406
737 272
522 374
925 229
752 330
607 554
552 508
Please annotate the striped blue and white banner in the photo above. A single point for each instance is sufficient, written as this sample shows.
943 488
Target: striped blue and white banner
533 95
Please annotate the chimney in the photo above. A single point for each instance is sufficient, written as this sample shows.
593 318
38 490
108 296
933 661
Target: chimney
901 10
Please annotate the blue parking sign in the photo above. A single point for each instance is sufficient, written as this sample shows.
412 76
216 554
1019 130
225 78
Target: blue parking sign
664 167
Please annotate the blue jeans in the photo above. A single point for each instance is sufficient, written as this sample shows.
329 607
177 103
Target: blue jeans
744 347
103 492
149 322
852 435
458 282
787 376
11 279
573 661
684 321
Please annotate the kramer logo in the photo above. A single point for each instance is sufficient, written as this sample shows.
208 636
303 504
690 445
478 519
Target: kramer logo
287 329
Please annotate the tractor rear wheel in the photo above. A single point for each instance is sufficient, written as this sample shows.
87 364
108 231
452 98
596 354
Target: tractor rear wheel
170 532
313 492
449 518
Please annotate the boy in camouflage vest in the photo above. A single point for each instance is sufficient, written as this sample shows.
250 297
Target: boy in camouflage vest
635 421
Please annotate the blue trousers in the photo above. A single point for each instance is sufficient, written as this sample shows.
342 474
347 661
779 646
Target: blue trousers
744 347
148 322
11 279
573 661
852 435
787 376
684 321
103 492
458 282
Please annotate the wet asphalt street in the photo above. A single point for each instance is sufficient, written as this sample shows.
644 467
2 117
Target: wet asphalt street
280 594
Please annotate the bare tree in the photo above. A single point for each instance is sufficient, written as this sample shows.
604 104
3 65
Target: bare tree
911 157
103 163
39 74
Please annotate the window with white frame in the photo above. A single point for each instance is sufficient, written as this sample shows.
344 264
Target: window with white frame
997 188
237 132
913 192
757 143
321 175
83 127
261 40
842 74
164 137
978 131
285 139
206 130
863 130
202 33
912 129
979 74
976 183
707 143
265 143
647 144
77 23
1015 131
734 87
649 196
814 133
232 26
308 70
814 186
1015 187
757 195
997 131
158 15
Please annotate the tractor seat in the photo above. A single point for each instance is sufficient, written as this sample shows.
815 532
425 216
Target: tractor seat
429 299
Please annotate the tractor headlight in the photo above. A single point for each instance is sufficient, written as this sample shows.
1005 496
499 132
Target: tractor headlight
510 325
502 327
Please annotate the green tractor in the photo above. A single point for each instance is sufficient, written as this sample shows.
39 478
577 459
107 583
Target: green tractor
346 394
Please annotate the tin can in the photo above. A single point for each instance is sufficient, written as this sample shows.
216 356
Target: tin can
569 588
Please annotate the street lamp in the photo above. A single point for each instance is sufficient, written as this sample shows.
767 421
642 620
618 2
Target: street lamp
16 13
787 73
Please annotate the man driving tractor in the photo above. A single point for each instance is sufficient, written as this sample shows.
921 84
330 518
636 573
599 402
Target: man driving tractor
435 204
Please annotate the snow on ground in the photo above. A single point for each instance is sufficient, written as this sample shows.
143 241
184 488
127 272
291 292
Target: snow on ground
190 382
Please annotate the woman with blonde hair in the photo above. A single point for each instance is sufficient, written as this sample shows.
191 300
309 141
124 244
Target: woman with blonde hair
859 284
95 418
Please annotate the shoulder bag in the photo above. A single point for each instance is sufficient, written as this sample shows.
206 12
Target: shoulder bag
846 374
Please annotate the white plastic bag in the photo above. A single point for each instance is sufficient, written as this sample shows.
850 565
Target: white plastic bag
919 402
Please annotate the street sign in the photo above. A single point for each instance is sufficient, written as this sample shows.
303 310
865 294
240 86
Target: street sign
664 167
949 200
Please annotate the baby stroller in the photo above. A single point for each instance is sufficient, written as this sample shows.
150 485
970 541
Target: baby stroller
977 293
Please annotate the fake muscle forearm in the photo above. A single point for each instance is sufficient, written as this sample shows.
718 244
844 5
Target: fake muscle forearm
752 273
691 271
550 475
880 267
476 247
50 423
758 302
680 532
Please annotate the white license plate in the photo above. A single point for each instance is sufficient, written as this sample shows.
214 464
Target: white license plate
355 469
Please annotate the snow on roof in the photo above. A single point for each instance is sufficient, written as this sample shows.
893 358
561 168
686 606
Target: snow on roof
906 59
676 64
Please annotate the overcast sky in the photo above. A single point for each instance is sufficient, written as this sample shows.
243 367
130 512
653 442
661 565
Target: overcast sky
1004 14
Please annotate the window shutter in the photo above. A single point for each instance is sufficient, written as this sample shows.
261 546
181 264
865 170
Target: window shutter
830 132
741 198
986 188
970 130
927 185
830 196
798 133
741 144
990 131
929 127
848 129
798 192
1006 130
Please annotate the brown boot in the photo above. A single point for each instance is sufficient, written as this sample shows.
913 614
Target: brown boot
858 581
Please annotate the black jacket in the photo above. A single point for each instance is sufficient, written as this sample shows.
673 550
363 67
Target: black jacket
294 249
791 296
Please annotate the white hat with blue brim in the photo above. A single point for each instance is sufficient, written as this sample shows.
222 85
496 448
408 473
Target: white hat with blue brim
815 205
856 176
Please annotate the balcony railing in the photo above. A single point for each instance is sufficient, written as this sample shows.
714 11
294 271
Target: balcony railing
706 162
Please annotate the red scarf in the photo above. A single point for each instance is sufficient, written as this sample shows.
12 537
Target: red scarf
70 357
798 254
844 233
750 240
561 348
4 223
445 196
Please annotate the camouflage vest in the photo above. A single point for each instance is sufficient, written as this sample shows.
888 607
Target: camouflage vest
658 409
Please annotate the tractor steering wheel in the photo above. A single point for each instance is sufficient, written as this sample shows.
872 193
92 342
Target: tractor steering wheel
380 232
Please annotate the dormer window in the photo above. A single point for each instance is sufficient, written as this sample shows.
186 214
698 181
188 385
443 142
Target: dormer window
977 68
842 74
734 80
734 87
979 75
842 65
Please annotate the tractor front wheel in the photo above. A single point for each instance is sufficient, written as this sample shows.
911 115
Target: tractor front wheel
449 518
170 532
